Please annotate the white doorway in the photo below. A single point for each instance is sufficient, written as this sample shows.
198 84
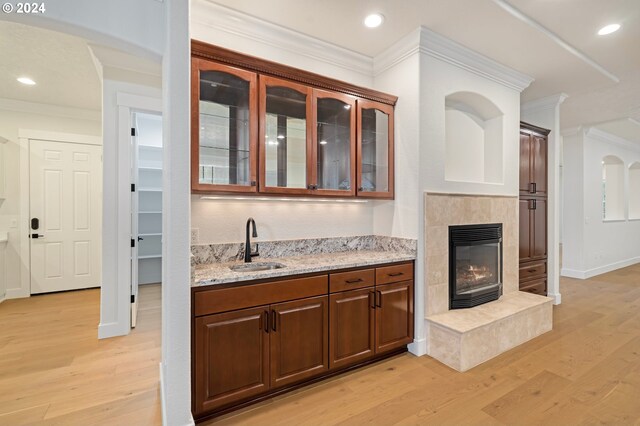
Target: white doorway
65 199
146 204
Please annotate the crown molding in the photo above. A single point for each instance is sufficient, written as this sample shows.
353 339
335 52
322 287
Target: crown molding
430 43
221 18
549 102
51 110
571 131
602 136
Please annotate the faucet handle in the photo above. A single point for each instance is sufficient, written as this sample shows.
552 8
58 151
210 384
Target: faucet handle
254 253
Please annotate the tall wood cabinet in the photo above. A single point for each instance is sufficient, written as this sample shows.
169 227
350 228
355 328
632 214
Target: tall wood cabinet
533 208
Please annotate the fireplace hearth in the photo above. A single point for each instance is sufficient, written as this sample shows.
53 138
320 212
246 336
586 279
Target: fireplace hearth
475 264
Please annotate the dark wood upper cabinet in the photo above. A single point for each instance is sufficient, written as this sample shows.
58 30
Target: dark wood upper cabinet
231 358
533 160
299 340
394 315
333 160
375 150
263 127
352 327
224 128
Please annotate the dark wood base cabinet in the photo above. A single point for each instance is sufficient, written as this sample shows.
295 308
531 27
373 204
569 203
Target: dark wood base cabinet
304 329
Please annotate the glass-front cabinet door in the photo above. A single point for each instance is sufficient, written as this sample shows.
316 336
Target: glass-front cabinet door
224 128
375 150
285 136
334 137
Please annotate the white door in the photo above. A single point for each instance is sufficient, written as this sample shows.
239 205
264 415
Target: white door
65 212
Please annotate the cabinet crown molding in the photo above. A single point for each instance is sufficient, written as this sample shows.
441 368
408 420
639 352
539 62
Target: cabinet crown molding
430 43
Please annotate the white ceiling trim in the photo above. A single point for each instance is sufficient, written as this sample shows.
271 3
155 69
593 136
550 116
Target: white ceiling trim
602 136
512 10
430 43
213 15
549 102
51 110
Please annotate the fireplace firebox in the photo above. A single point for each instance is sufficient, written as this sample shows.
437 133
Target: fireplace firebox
475 264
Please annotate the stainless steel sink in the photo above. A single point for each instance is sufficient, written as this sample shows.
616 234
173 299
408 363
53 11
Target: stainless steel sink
259 266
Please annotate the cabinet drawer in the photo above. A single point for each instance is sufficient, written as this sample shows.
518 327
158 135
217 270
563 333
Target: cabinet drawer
535 287
532 270
394 274
351 280
228 299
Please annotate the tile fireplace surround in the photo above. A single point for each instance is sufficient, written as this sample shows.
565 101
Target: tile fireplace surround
464 338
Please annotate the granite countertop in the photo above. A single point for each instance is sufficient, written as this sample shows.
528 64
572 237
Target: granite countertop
219 273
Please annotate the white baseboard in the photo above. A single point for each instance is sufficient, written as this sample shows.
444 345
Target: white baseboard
557 298
112 329
16 293
418 347
574 273
163 405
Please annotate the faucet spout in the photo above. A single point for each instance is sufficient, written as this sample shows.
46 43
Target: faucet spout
248 254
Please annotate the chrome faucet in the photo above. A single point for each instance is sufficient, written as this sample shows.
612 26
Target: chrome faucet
248 254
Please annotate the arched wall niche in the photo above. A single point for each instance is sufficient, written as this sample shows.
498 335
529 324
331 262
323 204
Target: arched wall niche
474 139
612 188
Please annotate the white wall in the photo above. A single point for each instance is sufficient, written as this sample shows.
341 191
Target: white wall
593 245
465 147
439 79
22 115
634 191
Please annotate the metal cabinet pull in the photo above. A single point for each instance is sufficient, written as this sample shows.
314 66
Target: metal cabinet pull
265 321
372 299
379 297
273 320
396 274
357 280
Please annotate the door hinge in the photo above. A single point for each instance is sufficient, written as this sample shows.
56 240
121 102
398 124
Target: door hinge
133 131
133 187
133 242
133 298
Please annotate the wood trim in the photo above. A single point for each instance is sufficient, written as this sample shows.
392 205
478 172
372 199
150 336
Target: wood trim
530 128
349 100
214 53
389 195
265 81
198 65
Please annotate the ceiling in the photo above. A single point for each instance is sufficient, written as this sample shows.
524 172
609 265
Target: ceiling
60 64
489 29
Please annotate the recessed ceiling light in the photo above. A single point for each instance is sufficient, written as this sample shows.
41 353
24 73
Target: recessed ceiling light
374 20
26 80
612 28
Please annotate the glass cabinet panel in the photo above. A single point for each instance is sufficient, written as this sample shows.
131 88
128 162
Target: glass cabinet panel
224 129
375 155
334 141
285 139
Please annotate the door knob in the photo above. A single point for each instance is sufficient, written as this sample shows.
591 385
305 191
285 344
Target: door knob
36 236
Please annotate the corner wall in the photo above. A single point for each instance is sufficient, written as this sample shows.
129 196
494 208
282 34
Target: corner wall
592 245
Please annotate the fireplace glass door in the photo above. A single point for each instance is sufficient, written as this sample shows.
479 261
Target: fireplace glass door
475 264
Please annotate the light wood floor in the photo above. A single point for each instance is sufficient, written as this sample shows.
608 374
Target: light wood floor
586 371
55 371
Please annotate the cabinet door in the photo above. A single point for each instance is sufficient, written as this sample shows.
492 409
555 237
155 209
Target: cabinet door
299 340
285 137
539 165
231 359
375 150
352 330
334 144
539 232
525 163
224 126
525 229
394 315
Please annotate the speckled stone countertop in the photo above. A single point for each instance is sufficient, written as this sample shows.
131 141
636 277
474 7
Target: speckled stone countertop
220 273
